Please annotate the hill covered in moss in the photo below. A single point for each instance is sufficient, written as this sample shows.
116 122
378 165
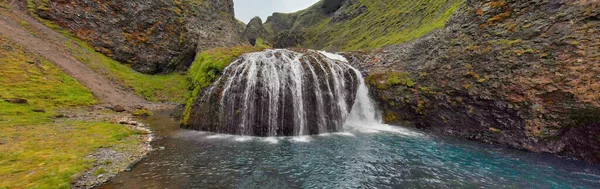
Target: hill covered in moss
346 25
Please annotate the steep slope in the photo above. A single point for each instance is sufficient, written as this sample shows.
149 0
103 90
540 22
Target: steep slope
152 36
523 74
359 24
34 96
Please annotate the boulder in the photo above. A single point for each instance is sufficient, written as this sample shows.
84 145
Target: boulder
17 101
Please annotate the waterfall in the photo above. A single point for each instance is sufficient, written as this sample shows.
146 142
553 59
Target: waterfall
281 92
363 111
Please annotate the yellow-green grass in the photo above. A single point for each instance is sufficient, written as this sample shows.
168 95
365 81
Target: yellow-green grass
37 151
261 43
164 88
208 66
45 86
384 22
46 155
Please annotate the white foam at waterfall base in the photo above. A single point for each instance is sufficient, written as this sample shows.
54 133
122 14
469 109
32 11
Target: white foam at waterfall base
302 139
348 134
242 138
272 140
364 117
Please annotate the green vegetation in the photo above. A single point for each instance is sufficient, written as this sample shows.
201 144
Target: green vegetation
43 85
261 43
384 22
46 155
171 88
142 112
209 66
399 79
37 151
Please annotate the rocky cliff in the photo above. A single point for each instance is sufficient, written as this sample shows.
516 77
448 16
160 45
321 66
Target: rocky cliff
152 36
255 30
343 25
523 74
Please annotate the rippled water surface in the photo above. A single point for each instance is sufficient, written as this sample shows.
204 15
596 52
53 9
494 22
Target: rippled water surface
368 157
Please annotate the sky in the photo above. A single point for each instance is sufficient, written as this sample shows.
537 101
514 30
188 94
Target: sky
245 10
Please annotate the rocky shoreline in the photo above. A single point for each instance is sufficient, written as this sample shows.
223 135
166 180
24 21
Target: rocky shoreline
109 161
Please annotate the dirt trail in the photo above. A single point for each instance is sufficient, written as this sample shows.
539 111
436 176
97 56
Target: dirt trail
49 44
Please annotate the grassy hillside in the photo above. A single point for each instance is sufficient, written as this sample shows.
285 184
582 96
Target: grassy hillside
364 24
170 88
37 150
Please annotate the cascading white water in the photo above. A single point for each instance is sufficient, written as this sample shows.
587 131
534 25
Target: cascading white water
282 92
363 111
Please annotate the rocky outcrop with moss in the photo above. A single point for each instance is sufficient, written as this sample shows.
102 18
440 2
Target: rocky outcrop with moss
255 30
344 25
206 69
152 36
523 74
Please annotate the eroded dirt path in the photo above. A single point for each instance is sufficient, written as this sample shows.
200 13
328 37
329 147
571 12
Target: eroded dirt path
49 44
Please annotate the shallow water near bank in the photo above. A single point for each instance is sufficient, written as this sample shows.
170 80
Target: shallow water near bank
375 156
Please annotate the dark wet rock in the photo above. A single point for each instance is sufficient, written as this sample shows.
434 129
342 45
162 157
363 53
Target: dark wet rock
255 30
119 108
331 6
178 111
521 74
151 36
39 110
60 116
17 101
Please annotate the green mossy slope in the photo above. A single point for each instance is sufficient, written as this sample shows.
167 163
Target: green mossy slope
37 150
362 24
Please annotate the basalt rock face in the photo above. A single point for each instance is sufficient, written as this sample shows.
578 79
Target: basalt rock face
278 93
153 36
255 30
523 74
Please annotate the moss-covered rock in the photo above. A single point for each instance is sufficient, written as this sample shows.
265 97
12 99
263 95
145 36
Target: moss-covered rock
207 68
151 36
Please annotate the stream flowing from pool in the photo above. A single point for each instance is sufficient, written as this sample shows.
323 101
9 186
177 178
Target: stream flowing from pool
379 157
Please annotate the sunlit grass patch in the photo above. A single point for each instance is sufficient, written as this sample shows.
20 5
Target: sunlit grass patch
46 155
